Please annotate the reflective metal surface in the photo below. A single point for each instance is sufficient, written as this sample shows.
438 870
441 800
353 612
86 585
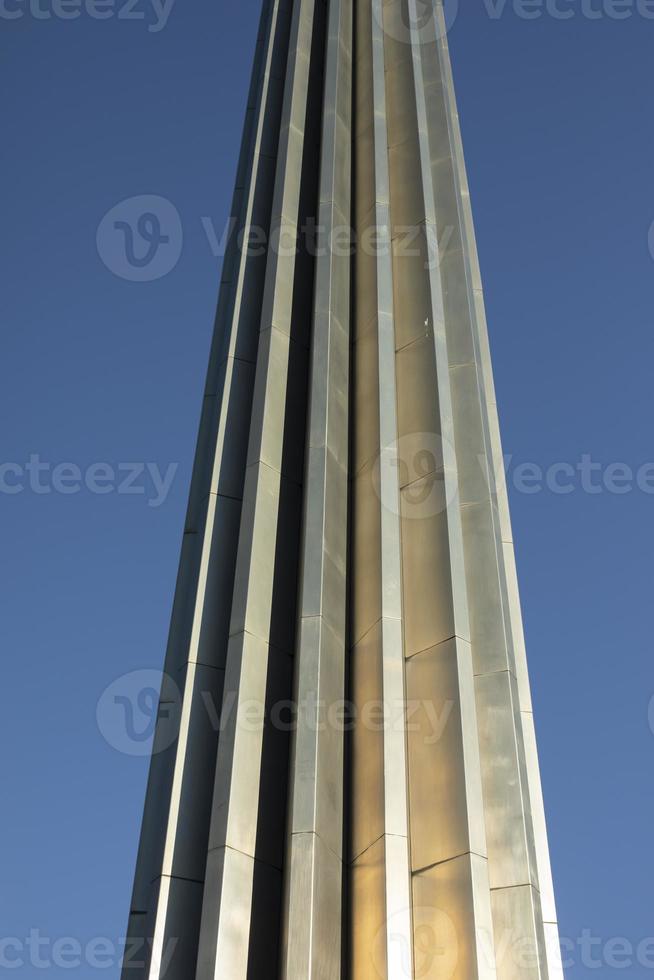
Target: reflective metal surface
353 791
380 905
314 846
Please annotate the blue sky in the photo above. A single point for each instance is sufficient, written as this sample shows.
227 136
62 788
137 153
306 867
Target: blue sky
96 369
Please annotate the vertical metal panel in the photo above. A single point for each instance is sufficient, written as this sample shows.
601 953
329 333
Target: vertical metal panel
451 923
446 800
518 855
446 820
380 905
511 852
249 807
314 852
519 934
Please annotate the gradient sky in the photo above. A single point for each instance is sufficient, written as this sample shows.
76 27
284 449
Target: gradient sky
557 124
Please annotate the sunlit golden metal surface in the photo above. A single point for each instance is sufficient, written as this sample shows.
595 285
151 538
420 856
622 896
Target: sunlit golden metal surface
352 788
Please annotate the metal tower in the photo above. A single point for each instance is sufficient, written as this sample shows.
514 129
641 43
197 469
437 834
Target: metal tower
369 805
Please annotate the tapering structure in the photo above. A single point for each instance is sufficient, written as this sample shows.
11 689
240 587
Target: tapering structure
353 789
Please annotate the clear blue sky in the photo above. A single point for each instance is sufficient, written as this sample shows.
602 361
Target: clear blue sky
557 122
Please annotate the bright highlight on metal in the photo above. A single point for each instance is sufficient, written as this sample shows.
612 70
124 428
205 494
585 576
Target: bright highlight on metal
364 801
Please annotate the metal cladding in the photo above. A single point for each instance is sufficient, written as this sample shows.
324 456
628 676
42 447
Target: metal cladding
353 792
